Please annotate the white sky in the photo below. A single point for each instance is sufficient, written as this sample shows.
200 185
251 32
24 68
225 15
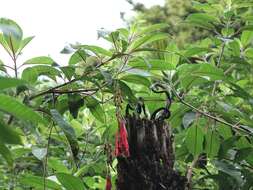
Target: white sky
55 23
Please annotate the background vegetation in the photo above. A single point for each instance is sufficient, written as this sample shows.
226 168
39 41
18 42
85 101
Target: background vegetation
55 121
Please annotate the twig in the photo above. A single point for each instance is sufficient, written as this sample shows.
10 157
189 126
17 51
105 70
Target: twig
234 126
189 171
46 158
218 65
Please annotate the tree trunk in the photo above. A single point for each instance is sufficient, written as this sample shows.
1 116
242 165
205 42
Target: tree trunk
151 161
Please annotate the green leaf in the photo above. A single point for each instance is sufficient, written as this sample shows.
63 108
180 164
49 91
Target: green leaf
225 131
96 49
246 37
172 58
151 64
78 56
95 108
12 34
38 182
19 110
6 153
57 165
6 82
195 51
212 143
62 123
202 20
198 73
194 140
188 119
31 74
10 28
24 42
68 131
44 60
39 153
226 145
70 182
8 135
147 39
136 79
243 153
153 28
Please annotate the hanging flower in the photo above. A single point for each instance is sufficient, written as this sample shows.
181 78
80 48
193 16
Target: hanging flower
121 142
108 185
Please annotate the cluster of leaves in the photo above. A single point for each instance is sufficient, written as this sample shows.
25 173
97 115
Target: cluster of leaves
55 120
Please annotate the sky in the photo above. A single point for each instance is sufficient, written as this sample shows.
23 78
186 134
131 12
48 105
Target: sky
56 23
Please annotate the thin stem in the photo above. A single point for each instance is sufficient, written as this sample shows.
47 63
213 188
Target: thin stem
46 158
218 65
14 58
234 126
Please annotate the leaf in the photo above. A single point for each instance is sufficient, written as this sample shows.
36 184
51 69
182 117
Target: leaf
95 108
57 165
64 125
38 182
172 58
153 28
226 145
12 35
78 56
75 102
19 110
243 153
188 119
246 37
70 182
212 143
6 82
127 91
24 42
31 74
147 39
68 131
136 79
151 64
44 60
96 49
195 51
194 140
202 20
198 73
225 131
8 135
10 28
39 153
6 153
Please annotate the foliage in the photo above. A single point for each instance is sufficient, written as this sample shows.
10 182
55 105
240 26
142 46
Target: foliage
56 120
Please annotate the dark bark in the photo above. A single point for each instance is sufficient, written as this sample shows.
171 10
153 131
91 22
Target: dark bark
151 161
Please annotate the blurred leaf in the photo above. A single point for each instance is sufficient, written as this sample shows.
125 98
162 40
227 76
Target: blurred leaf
96 49
70 182
188 119
38 182
8 135
212 143
153 28
78 56
136 79
40 60
6 153
24 42
57 165
19 110
39 153
95 108
147 39
194 139
31 74
6 82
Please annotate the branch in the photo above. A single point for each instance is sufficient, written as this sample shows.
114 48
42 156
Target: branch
234 126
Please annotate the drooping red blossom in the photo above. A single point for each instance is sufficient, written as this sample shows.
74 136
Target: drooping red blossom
121 141
108 185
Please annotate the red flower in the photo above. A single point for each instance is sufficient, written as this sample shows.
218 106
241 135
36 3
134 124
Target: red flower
121 142
108 183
